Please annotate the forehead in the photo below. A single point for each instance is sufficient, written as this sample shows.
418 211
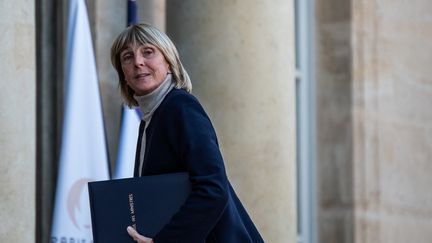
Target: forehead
135 46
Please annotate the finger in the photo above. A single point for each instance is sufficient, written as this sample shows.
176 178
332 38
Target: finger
135 235
132 232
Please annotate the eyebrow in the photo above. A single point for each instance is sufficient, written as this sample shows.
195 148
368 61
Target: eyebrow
125 51
148 47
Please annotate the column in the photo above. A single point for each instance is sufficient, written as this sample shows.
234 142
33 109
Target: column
152 12
240 56
392 127
17 121
109 18
334 164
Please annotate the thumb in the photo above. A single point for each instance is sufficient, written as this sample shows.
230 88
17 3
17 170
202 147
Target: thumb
132 232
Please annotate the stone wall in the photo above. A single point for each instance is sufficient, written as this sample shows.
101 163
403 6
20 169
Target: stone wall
392 95
17 121
241 64
334 123
240 56
108 18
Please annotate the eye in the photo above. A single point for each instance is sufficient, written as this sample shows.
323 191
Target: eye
148 52
126 57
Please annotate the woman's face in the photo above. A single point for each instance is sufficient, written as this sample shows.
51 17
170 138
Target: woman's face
144 67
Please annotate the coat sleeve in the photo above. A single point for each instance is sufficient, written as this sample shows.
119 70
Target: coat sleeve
198 148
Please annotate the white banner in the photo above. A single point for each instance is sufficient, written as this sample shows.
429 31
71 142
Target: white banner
127 143
83 155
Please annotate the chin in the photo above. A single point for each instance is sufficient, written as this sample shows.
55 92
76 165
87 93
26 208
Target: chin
144 91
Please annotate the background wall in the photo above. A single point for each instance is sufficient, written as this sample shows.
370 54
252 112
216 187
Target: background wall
240 56
374 120
108 18
334 164
17 121
392 95
373 93
241 65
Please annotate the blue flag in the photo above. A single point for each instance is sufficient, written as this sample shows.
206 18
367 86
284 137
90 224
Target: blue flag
132 12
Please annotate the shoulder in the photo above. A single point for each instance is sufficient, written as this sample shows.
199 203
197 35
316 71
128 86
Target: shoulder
180 100
181 105
176 96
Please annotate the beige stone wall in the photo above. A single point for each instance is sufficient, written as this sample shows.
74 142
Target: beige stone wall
392 97
240 56
242 68
108 19
17 121
334 124
153 12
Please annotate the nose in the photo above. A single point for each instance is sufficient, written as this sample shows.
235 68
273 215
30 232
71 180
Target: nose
138 59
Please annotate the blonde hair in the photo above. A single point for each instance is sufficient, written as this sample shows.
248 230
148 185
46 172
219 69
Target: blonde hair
141 34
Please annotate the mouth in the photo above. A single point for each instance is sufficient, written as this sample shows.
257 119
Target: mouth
141 75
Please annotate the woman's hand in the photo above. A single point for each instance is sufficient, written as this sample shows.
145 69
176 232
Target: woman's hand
137 237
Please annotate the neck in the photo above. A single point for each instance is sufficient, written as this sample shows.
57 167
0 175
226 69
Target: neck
149 102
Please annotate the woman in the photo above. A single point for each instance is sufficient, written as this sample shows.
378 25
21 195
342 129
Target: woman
176 135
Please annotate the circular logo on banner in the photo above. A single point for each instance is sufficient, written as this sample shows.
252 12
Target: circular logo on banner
78 204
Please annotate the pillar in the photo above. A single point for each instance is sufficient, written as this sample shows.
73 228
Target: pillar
392 94
17 121
240 56
152 12
334 162
109 18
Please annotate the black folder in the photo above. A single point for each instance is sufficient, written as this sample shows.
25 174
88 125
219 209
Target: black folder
147 202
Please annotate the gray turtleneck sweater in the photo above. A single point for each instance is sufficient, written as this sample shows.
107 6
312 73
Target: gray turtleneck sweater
148 104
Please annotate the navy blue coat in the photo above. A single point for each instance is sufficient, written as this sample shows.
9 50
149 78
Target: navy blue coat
180 137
